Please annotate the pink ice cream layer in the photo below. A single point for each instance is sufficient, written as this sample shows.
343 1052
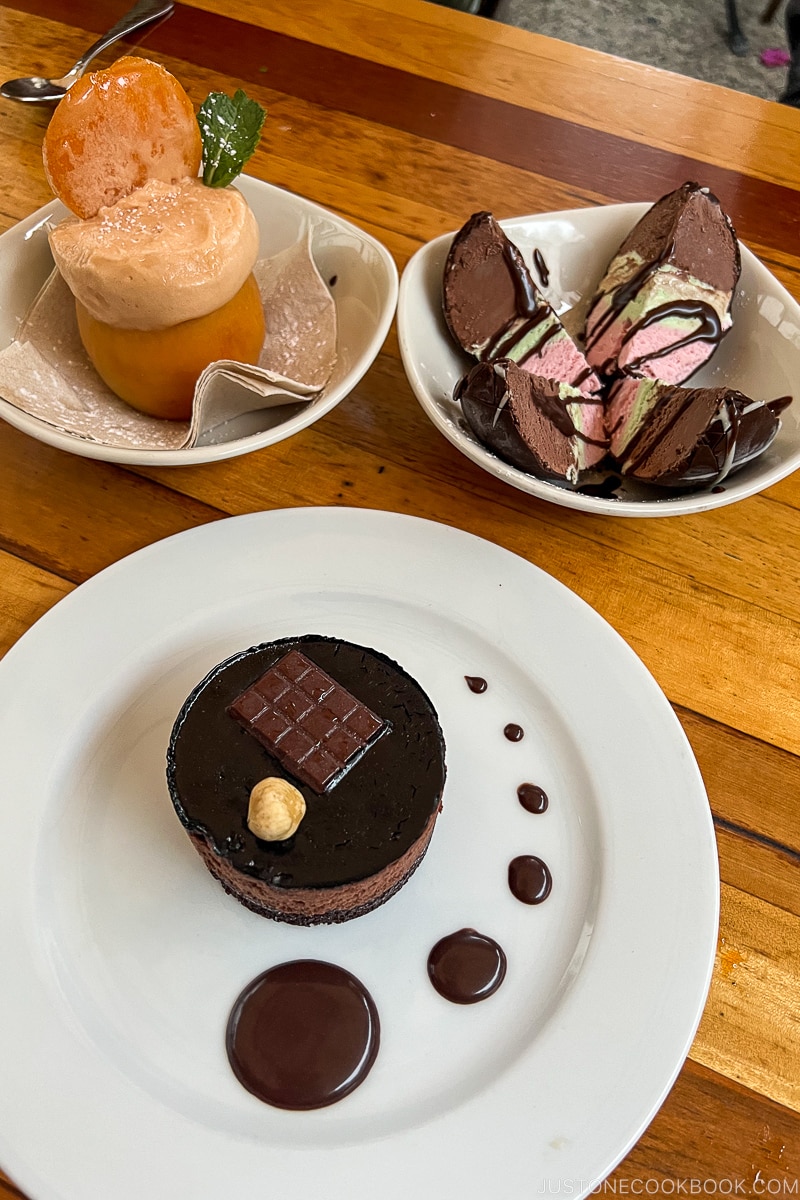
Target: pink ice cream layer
561 361
649 343
641 355
589 419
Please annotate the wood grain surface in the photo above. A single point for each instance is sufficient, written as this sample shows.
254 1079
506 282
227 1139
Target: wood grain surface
405 117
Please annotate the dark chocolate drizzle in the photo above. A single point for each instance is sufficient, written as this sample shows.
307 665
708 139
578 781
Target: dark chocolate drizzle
776 407
709 328
541 267
528 299
532 310
303 1035
529 879
467 966
512 332
621 295
606 489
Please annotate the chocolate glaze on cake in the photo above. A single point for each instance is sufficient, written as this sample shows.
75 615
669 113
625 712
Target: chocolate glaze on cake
360 841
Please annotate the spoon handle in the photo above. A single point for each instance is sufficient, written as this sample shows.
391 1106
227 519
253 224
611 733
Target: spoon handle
141 14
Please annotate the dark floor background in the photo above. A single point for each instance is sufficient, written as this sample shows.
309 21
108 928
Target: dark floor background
686 36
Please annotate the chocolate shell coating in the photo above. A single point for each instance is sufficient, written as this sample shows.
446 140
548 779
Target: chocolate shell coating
525 420
743 430
374 824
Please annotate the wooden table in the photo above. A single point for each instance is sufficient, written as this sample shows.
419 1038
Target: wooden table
406 117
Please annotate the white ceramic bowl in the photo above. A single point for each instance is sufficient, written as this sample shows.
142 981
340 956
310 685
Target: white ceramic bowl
365 294
760 356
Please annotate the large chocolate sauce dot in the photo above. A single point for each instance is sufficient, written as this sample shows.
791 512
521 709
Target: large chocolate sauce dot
529 879
303 1035
532 798
466 966
514 732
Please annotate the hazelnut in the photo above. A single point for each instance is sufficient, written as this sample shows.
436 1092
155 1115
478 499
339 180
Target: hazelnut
276 809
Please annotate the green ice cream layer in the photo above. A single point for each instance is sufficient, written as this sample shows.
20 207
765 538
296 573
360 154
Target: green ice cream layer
665 285
643 405
519 350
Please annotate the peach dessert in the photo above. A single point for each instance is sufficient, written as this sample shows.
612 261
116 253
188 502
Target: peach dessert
158 257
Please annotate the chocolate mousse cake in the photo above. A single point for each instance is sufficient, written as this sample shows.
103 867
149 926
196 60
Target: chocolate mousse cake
336 732
686 437
665 301
548 429
494 310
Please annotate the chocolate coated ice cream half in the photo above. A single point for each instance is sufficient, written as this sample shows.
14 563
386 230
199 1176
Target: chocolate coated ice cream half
494 310
544 428
686 437
664 303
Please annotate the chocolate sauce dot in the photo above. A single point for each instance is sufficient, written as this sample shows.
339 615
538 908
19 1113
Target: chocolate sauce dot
467 966
716 490
475 683
532 798
303 1034
333 280
514 733
529 879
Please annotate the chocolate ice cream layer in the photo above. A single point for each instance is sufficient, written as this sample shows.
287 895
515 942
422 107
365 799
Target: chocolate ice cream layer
494 310
547 429
686 437
665 301
361 839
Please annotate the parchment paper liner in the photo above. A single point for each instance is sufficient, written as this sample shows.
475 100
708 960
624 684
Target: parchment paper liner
46 372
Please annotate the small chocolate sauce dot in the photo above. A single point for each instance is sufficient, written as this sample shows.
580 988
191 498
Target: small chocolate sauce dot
529 879
514 733
475 683
333 280
467 966
716 490
532 798
303 1035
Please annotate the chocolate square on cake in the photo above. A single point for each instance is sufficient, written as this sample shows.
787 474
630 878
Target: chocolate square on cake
315 727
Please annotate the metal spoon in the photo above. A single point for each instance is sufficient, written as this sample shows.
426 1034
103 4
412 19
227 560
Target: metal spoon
34 89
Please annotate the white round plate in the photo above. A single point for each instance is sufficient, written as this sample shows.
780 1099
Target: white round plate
760 356
365 294
122 956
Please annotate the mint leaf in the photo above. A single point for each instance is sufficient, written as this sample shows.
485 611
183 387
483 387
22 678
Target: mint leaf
230 129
